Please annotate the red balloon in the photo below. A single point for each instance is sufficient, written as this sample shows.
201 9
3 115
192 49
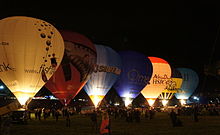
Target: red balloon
76 67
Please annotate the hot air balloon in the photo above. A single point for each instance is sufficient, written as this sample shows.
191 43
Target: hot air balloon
31 50
135 75
76 67
161 74
107 70
190 83
173 85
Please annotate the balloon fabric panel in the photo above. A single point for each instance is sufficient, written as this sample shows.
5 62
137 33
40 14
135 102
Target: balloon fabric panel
76 68
107 70
161 74
135 75
190 83
27 46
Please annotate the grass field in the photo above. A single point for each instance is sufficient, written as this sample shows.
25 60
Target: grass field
159 125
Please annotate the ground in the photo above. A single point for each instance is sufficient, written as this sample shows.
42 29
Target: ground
159 125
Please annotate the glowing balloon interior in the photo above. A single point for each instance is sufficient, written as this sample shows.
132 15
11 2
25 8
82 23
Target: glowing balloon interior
107 70
31 50
161 74
190 83
75 69
135 75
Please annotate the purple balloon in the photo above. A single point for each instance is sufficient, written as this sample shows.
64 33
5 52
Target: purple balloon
135 74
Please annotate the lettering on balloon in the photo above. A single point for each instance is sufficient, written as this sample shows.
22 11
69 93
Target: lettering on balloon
136 77
47 70
12 84
171 85
6 67
110 69
133 92
103 87
162 80
35 86
4 43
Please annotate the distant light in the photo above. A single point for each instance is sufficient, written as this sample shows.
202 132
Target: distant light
196 98
151 101
164 102
127 101
96 99
23 100
183 102
1 87
38 98
116 104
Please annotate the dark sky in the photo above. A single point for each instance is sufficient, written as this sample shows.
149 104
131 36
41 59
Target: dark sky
182 32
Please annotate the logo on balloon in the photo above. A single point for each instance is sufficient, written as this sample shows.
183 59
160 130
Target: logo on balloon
133 91
171 85
102 68
136 77
6 67
157 79
47 70
4 43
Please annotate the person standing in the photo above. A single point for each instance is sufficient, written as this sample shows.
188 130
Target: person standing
67 115
173 117
57 114
105 124
6 125
175 120
93 117
196 113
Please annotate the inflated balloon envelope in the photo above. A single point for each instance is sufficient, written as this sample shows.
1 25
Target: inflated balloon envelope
189 85
76 67
107 70
135 75
61 84
31 50
161 74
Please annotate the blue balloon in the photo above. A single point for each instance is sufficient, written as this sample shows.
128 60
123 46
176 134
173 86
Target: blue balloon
136 73
175 73
107 71
189 84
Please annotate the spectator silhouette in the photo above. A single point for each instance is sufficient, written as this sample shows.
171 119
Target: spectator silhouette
175 120
93 117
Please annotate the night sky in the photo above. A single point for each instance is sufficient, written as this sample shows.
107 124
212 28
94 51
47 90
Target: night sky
181 32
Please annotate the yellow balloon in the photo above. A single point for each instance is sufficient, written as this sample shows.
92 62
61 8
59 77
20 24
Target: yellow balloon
173 85
31 50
